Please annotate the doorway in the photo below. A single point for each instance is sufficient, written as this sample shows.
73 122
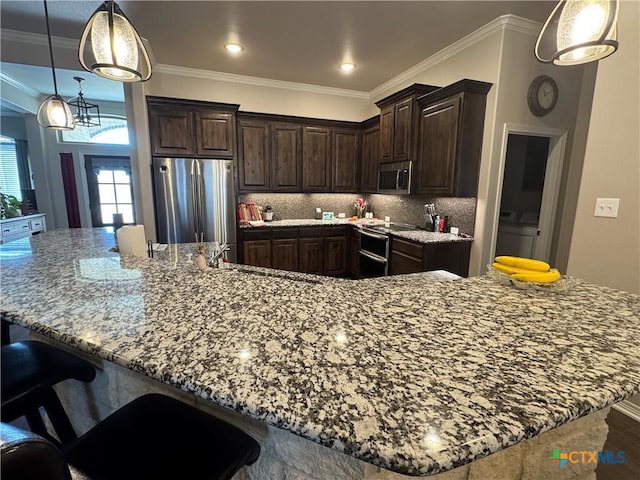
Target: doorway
531 166
110 189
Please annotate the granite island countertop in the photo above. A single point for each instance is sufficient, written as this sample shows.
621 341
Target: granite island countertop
412 375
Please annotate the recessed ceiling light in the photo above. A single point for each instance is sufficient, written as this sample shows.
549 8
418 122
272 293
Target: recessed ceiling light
234 47
347 67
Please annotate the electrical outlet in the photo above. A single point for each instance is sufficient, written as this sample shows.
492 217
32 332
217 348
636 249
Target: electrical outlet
607 207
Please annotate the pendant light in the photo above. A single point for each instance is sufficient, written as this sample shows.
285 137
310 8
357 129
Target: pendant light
87 114
54 113
116 50
579 31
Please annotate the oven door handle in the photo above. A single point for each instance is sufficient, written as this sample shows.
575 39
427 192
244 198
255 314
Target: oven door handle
374 235
375 258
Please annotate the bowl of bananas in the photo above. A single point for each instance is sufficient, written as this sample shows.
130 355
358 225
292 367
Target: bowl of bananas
527 273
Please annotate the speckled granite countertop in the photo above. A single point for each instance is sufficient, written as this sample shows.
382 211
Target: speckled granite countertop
410 374
421 236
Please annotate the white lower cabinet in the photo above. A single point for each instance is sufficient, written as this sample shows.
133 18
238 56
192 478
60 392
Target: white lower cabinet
20 227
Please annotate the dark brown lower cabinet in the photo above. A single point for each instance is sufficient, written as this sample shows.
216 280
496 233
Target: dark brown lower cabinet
311 255
318 250
354 253
284 254
257 253
413 257
335 255
402 263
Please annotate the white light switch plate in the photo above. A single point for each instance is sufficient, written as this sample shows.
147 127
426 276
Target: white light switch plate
607 207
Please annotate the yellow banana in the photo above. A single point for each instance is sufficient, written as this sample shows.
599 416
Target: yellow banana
526 263
511 270
538 277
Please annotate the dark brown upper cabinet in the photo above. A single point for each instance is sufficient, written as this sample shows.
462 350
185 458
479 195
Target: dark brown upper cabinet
399 123
215 134
286 158
370 155
171 131
316 159
181 128
253 165
345 160
451 125
386 134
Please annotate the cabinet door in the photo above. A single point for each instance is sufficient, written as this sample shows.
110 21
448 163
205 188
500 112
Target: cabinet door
215 134
354 256
386 134
402 130
253 161
316 159
257 253
450 256
406 256
402 263
286 158
438 147
311 255
284 254
370 159
335 255
171 131
345 161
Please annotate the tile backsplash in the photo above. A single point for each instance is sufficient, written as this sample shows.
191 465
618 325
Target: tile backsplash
401 208
410 209
303 205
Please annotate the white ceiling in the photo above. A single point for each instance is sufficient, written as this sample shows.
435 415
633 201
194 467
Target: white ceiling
292 41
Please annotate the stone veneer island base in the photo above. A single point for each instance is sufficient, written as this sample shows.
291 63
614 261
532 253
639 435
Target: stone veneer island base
286 456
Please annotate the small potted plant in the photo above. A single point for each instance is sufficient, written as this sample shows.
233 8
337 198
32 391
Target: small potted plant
360 207
10 206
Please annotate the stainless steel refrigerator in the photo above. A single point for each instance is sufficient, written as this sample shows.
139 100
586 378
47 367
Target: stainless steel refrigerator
194 201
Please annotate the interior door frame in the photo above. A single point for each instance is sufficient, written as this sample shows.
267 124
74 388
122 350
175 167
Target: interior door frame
551 188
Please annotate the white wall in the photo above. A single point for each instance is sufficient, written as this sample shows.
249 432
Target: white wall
13 126
518 68
606 250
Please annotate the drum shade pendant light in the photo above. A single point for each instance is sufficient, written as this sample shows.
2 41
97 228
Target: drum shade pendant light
54 113
115 49
87 114
579 31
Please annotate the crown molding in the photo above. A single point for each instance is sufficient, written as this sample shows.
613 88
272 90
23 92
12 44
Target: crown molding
505 22
38 39
4 78
258 81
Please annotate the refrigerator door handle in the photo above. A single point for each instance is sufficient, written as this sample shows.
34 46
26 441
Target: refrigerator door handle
201 222
194 199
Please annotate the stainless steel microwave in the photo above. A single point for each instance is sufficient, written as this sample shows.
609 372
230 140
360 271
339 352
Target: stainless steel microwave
395 177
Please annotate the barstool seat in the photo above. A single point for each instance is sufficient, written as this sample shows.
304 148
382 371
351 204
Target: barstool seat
156 436
29 371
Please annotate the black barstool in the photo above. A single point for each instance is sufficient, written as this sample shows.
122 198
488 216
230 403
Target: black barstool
29 371
154 436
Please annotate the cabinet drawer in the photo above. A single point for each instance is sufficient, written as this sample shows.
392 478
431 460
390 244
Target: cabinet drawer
310 232
334 231
38 225
262 234
280 232
13 228
408 248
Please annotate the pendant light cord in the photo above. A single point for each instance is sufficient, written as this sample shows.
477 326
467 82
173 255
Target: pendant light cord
53 68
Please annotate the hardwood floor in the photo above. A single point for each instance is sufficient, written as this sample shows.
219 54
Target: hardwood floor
624 434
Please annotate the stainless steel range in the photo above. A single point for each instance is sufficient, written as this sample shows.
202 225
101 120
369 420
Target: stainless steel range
374 248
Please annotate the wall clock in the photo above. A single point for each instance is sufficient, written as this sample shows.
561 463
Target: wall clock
542 95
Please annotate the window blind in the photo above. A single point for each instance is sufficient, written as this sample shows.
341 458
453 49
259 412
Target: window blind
9 177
